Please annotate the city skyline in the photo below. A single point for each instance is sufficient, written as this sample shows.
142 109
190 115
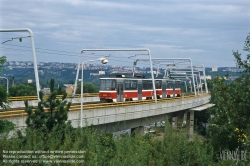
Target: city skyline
29 64
207 31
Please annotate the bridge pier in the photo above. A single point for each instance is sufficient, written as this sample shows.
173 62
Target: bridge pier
190 119
137 131
177 120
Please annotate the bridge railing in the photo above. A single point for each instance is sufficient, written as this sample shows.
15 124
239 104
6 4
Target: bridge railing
21 112
23 98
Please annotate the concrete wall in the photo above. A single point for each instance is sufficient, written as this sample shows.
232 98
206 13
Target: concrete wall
125 117
20 104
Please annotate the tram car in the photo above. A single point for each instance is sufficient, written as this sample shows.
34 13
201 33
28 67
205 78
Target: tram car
130 89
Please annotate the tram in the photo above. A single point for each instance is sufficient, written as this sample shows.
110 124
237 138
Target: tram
130 89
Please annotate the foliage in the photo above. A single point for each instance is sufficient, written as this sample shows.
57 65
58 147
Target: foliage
231 111
60 91
230 128
23 90
87 88
3 98
3 60
244 63
50 112
6 126
3 92
173 148
201 117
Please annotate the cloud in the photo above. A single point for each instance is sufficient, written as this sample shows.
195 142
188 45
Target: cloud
173 48
106 4
191 28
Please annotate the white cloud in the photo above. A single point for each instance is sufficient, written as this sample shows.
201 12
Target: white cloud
173 48
188 28
50 25
106 4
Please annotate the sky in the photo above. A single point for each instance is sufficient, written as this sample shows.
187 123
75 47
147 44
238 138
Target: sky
206 31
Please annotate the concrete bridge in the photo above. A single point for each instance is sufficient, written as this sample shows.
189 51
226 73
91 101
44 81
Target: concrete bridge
131 115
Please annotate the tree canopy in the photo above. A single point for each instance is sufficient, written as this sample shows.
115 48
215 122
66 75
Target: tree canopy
229 122
3 60
50 112
246 62
87 88
23 90
3 91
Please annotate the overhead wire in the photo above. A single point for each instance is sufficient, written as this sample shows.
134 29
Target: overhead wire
62 54
20 39
68 53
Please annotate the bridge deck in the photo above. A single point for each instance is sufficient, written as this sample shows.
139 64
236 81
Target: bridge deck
105 113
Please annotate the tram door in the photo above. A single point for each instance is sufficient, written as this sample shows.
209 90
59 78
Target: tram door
169 86
120 92
139 89
164 87
174 89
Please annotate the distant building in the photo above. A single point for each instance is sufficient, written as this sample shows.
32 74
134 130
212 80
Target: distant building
97 74
154 72
30 81
234 69
101 72
214 68
208 77
69 88
46 91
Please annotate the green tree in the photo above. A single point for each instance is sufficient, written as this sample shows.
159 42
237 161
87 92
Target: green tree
244 63
87 88
3 91
5 125
3 98
61 91
23 90
50 112
229 122
3 60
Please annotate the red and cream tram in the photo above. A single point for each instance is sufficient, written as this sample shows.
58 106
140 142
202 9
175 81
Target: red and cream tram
129 89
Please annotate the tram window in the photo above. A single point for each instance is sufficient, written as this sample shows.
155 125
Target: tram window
130 85
177 84
107 85
113 85
147 85
144 85
169 85
158 84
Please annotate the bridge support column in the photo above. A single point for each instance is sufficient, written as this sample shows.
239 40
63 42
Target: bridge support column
170 121
190 117
176 120
137 131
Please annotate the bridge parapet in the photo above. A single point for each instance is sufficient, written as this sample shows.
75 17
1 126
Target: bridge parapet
108 113
105 115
